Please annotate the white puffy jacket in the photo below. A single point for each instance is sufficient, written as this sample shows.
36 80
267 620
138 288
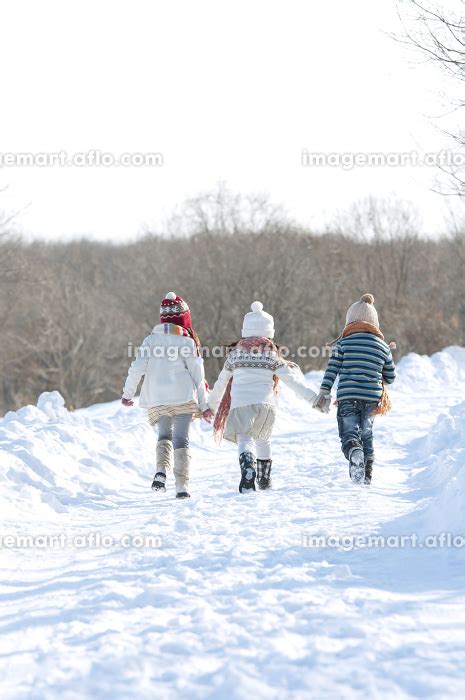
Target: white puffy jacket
253 379
173 372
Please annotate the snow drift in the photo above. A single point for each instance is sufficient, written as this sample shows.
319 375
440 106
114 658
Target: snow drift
438 478
232 604
51 459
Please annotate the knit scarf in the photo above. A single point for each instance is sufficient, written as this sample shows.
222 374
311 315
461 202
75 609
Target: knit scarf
384 405
255 344
174 329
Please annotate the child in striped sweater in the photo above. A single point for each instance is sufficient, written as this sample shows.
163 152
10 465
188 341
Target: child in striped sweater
363 361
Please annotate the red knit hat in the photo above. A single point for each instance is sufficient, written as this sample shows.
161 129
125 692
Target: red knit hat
174 309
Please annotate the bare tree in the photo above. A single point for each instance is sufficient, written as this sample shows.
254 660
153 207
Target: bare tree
436 30
225 212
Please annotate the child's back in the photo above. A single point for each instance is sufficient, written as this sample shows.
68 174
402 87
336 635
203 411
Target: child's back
243 397
363 361
173 389
254 370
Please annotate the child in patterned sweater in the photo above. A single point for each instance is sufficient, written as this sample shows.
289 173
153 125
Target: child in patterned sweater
243 398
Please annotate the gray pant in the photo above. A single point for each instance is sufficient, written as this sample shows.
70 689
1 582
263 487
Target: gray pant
175 429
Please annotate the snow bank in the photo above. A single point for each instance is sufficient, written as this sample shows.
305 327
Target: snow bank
439 480
422 372
51 458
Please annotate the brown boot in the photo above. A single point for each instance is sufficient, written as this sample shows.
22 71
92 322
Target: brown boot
182 461
164 464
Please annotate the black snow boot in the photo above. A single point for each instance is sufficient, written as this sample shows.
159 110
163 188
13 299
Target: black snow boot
356 465
159 481
264 473
247 462
368 470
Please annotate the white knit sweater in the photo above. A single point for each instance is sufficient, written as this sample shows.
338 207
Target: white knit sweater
173 373
253 379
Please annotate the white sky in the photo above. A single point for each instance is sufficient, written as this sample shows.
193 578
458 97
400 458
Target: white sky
225 90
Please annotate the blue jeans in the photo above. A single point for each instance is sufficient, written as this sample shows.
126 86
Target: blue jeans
355 422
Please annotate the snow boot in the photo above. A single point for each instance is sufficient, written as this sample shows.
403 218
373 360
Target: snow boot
247 463
264 473
159 482
356 465
164 457
368 470
182 461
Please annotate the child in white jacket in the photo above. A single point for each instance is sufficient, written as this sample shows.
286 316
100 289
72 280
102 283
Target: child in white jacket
174 388
243 398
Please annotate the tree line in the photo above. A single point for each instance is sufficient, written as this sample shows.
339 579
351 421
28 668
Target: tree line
69 311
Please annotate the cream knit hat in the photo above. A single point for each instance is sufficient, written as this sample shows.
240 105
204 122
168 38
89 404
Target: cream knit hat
258 322
364 311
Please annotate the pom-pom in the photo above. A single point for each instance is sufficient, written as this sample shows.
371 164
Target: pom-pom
257 306
368 298
171 295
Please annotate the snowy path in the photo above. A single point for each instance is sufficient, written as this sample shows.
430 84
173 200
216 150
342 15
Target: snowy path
231 605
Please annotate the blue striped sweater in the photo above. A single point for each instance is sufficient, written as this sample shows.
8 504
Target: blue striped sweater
362 361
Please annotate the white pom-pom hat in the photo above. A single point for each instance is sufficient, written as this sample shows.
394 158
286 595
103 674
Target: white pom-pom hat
257 322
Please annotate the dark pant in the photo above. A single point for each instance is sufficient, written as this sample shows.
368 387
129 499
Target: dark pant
355 422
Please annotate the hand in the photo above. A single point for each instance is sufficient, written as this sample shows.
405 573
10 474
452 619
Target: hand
322 402
208 415
127 402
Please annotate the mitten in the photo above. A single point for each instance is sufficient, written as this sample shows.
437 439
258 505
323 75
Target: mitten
322 402
208 415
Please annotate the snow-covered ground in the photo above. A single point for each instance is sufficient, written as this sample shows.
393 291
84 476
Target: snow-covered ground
224 599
